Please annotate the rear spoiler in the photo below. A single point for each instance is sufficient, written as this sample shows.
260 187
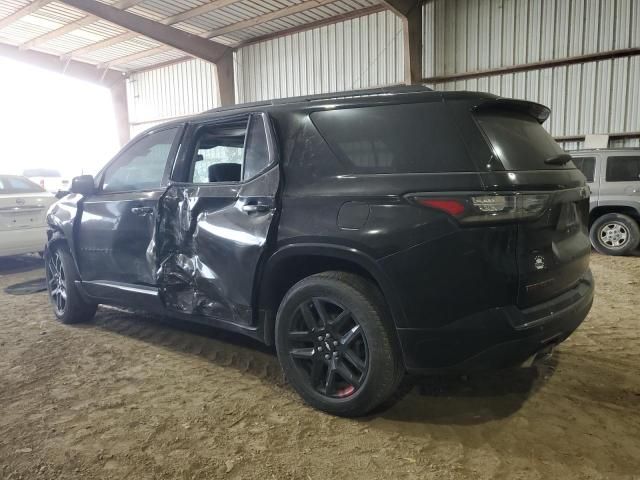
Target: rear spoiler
536 110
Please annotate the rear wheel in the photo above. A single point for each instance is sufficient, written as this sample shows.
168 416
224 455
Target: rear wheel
68 304
615 234
336 345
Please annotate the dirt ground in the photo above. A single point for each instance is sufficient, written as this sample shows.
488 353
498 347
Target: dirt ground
128 397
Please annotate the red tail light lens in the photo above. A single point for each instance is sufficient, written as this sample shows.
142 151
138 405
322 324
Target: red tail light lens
486 206
452 207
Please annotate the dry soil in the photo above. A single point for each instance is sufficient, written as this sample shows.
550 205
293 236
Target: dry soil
129 397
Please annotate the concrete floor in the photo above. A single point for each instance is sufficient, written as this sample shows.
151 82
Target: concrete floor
128 397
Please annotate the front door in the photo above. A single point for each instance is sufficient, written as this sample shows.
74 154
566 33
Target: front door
216 218
116 229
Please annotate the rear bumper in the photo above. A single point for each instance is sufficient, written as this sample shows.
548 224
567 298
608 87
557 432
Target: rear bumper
498 337
24 240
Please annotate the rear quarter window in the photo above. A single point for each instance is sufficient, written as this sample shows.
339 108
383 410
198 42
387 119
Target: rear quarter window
405 138
519 141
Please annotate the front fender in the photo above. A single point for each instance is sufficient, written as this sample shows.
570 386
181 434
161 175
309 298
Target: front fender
61 220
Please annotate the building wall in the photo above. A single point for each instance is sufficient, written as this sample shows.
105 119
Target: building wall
165 93
459 36
462 36
357 53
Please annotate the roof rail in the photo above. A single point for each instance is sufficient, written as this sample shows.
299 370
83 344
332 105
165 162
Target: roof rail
390 89
386 90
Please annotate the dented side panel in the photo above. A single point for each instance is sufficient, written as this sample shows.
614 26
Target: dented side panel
210 242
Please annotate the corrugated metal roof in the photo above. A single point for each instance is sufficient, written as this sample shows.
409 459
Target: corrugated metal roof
55 15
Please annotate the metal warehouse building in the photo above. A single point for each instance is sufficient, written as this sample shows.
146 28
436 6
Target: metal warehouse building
580 57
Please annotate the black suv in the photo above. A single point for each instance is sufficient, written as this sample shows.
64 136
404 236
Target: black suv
364 234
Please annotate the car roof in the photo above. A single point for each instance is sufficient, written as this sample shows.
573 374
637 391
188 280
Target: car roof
388 94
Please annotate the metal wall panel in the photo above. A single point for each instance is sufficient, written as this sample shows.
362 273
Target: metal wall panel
480 34
357 53
593 97
170 92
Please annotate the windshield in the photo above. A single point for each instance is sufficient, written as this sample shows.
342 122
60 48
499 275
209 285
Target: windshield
519 141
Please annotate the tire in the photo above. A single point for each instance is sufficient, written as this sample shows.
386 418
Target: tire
68 305
337 345
615 234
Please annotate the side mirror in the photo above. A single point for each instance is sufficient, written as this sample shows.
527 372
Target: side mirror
84 185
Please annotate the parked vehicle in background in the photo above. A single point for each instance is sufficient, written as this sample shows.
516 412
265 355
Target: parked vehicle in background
49 179
23 207
365 234
614 178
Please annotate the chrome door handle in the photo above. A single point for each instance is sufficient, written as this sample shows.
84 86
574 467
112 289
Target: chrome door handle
142 211
255 208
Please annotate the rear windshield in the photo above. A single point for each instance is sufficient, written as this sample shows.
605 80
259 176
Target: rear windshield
406 138
519 141
9 185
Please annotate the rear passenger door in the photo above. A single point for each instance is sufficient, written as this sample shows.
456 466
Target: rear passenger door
216 217
621 184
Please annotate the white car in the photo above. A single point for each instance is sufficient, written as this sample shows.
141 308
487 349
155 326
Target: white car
23 211
49 179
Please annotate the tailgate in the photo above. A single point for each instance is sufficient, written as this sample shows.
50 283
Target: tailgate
553 251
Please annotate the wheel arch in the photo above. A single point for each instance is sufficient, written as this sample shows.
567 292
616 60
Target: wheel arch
292 263
629 210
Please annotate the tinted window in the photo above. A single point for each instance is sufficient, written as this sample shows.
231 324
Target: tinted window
418 137
519 141
141 166
623 169
257 152
10 185
586 165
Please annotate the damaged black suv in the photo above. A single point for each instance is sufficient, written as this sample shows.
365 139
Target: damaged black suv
364 235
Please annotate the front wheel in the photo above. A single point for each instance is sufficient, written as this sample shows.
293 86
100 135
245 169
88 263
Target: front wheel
68 304
336 344
615 234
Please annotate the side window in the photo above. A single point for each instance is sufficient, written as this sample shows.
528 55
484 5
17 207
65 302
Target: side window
256 150
405 138
623 169
229 152
587 166
141 166
218 153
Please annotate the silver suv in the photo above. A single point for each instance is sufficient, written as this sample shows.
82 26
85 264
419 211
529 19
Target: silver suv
614 178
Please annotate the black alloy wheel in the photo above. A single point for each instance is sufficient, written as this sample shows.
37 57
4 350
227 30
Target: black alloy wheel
57 283
327 343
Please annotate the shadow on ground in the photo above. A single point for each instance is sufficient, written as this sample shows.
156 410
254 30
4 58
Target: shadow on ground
20 264
462 400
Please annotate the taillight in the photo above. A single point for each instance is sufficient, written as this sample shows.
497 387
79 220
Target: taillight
42 182
485 207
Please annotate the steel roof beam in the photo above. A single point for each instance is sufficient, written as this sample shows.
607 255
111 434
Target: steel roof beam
73 68
410 11
180 17
250 22
23 12
184 41
70 27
